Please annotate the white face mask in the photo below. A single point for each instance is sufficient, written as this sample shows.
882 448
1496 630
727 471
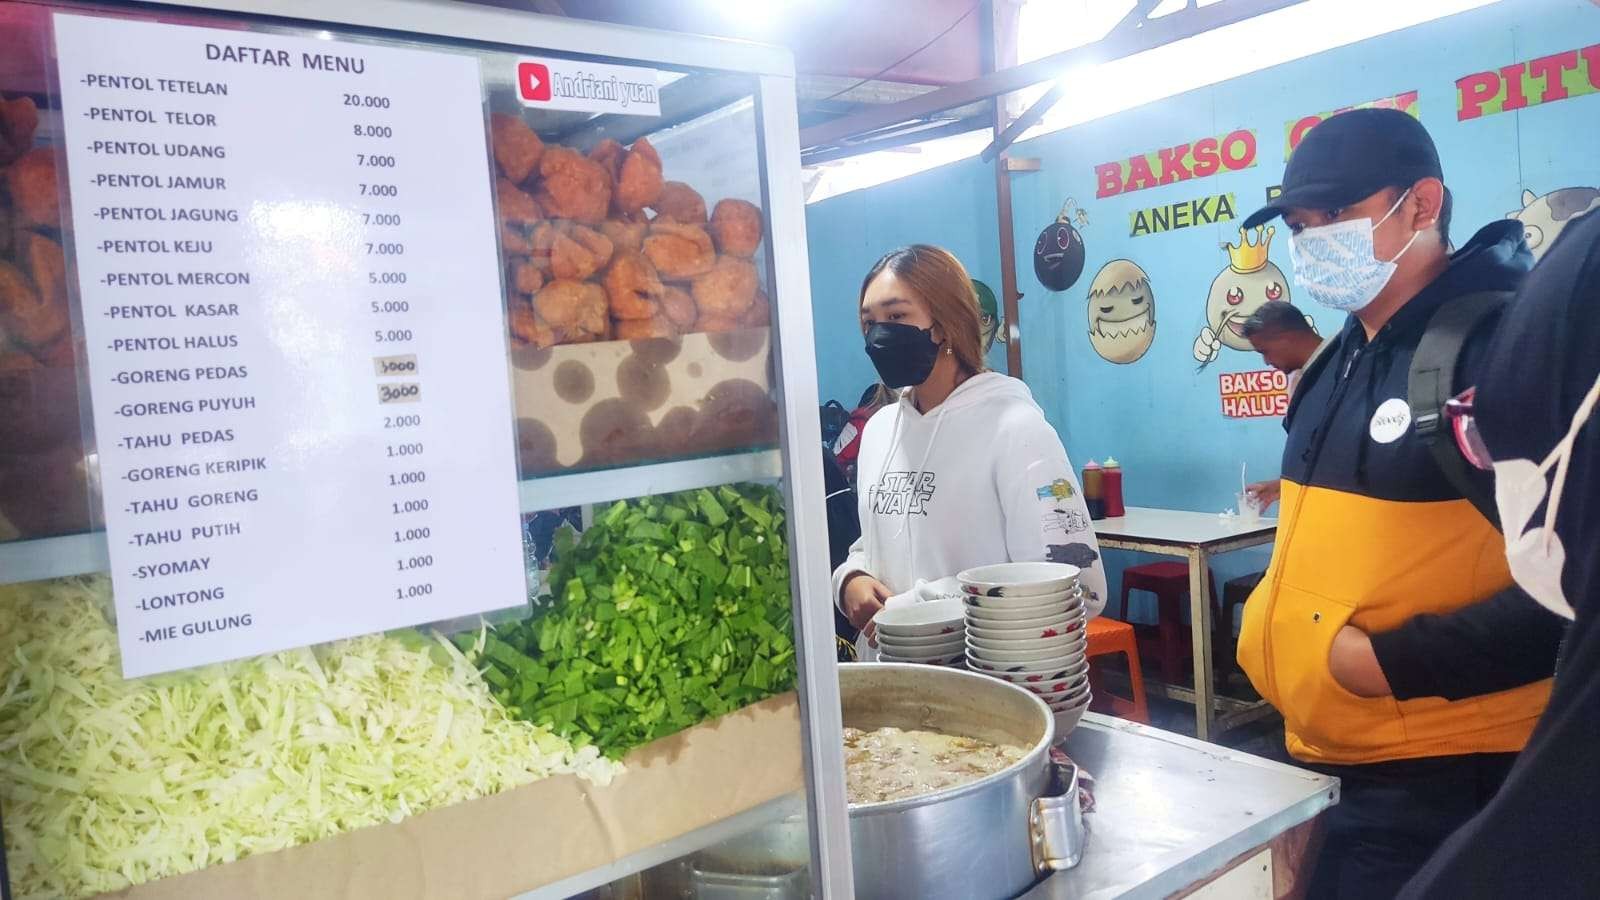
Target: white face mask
1337 265
1535 554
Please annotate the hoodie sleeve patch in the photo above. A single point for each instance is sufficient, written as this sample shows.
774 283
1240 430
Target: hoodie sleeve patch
1080 555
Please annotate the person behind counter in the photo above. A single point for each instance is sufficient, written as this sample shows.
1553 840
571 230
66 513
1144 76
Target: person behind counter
1286 340
1536 837
1284 337
962 469
1374 535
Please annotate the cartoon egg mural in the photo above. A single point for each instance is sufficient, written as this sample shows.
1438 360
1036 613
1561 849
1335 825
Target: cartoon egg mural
1250 280
1122 312
1058 253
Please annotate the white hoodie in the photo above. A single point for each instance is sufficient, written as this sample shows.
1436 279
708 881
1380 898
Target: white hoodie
980 479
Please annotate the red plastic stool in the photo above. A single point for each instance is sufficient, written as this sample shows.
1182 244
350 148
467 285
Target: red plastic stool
1169 581
1108 636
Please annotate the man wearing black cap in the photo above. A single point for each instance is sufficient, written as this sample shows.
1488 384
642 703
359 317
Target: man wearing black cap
1388 630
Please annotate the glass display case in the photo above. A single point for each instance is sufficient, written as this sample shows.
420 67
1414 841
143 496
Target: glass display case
408 482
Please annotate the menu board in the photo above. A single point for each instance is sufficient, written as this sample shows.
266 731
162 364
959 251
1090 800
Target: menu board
295 336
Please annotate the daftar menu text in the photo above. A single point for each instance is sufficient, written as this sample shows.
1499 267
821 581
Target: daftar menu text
295 339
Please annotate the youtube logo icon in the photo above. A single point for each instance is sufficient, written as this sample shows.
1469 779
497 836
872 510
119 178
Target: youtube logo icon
533 82
578 86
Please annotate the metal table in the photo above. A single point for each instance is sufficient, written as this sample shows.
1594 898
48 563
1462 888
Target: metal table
1196 537
1171 811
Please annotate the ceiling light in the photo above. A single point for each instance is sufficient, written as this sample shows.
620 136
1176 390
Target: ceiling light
755 14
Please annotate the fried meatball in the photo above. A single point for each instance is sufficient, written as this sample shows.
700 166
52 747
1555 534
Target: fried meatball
516 148
32 182
681 204
624 235
47 265
513 242
736 227
526 278
570 259
18 120
728 290
718 324
594 242
24 315
573 187
17 361
543 240
639 181
608 153
760 313
679 307
574 310
680 252
632 287
644 329
59 353
516 206
527 328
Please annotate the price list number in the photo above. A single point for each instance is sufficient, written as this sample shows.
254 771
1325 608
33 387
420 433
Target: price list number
379 180
399 393
367 101
396 365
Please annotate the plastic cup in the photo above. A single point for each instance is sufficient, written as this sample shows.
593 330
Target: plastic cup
1249 512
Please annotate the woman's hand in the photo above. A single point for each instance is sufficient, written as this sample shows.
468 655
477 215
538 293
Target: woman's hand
861 598
1355 666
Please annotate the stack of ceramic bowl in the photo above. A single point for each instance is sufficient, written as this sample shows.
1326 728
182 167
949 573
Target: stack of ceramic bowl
931 633
1025 625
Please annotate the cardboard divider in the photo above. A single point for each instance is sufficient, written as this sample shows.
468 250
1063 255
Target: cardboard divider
515 841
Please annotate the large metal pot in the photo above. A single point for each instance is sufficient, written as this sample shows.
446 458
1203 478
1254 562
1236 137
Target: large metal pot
991 838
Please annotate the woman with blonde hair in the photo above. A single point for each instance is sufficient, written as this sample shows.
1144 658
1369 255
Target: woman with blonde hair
960 469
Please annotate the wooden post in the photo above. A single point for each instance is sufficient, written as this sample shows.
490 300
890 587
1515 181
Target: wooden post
1002 190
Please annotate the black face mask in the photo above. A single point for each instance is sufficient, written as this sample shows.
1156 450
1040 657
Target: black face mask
903 354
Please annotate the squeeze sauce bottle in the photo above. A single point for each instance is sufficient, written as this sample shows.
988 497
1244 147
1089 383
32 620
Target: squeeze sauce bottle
1111 488
1093 490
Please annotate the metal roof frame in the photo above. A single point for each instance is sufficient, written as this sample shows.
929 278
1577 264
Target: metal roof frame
883 126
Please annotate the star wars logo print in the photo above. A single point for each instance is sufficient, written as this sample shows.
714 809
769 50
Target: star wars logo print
900 492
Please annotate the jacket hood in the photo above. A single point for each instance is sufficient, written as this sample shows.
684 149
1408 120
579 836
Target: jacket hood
1495 259
982 388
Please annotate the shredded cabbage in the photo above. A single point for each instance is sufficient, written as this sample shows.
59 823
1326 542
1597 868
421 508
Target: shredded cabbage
106 783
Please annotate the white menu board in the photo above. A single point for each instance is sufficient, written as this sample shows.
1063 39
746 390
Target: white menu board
296 338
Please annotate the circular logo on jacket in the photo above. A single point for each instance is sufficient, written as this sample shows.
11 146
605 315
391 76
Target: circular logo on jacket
1390 421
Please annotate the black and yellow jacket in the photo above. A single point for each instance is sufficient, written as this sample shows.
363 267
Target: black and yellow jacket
1372 534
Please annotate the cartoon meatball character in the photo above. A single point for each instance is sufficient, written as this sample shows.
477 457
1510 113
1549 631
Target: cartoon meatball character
1249 281
1058 253
1543 218
1122 312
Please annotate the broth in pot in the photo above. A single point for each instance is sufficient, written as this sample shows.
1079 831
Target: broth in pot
894 764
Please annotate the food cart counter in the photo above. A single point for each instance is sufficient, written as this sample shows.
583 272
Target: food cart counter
1174 815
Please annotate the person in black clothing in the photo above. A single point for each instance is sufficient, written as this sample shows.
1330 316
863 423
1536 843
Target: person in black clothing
844 526
1538 386
1388 630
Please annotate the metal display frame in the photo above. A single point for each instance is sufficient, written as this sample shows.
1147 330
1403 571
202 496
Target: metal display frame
796 462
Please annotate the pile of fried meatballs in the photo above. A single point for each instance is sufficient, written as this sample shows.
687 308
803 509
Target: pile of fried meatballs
599 246
33 270
42 486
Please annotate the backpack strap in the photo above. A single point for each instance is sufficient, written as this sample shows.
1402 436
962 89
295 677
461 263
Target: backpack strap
1430 385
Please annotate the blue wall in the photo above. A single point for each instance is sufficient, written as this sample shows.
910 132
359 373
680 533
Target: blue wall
952 206
1160 416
